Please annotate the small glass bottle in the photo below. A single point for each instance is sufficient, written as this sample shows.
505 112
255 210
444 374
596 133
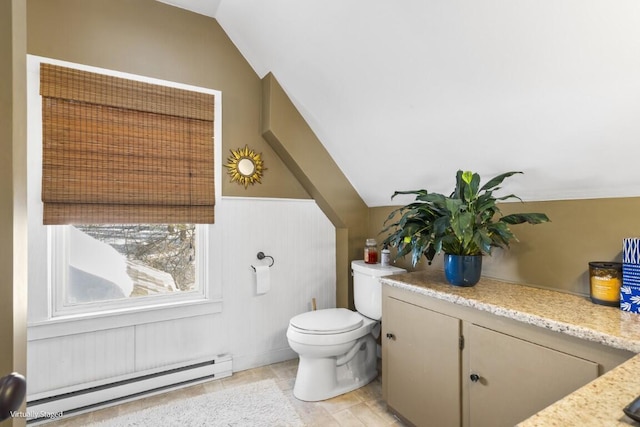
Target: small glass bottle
385 256
371 251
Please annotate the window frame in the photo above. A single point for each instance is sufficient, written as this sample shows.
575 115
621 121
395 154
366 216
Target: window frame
59 257
45 320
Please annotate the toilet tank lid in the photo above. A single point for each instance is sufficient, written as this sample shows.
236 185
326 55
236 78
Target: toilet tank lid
376 270
327 321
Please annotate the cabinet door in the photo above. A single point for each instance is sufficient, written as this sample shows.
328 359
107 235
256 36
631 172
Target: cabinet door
423 364
516 378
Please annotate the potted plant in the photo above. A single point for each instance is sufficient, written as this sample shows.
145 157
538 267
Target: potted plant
464 225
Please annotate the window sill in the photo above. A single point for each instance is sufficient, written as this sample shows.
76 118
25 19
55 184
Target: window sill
119 318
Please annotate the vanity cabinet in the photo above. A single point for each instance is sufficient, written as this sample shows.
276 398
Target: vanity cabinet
424 364
449 365
511 379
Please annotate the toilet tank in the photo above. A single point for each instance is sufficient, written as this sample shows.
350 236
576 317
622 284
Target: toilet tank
367 290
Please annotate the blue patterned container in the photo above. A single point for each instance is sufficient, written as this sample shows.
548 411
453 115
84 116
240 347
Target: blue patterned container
630 298
631 250
630 289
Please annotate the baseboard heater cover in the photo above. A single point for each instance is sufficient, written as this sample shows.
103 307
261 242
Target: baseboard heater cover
129 389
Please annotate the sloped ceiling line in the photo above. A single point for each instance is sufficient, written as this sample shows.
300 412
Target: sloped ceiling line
404 95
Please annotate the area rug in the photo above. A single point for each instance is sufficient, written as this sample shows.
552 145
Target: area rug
257 404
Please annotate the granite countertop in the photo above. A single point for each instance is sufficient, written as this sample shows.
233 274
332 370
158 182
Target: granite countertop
598 403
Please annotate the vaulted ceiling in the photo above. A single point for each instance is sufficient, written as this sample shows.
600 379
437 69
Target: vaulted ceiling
403 94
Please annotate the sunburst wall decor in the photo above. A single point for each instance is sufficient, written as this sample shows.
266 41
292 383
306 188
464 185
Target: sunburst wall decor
245 166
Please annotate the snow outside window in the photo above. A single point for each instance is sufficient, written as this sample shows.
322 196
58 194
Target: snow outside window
105 267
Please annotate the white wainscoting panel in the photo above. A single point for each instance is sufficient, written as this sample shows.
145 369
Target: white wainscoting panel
175 341
250 329
80 358
301 239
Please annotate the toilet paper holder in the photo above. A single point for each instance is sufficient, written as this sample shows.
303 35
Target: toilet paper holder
261 255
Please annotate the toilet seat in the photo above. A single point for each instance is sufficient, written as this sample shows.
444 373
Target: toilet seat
327 322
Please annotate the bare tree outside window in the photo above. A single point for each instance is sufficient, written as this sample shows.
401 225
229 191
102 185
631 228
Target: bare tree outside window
153 252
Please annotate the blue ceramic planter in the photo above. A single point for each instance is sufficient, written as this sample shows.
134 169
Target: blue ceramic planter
462 270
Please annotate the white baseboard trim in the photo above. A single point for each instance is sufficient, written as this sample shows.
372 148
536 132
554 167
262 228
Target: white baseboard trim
122 391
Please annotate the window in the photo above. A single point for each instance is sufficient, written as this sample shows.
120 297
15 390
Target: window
159 258
101 265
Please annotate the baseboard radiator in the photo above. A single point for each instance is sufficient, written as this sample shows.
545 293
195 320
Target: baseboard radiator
42 407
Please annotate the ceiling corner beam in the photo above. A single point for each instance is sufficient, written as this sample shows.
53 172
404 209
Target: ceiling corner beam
284 128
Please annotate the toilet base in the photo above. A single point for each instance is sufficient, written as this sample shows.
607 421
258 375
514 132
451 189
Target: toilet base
321 378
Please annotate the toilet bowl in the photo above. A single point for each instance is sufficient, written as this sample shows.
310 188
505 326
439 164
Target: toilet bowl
337 347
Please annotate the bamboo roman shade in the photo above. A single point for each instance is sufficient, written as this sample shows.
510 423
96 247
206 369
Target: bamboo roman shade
118 151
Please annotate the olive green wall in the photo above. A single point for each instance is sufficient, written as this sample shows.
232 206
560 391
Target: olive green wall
153 39
13 267
290 136
555 255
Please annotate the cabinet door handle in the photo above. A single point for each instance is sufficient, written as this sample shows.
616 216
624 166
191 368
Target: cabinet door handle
474 377
391 336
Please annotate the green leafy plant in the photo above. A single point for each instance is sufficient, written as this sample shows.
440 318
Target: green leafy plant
468 222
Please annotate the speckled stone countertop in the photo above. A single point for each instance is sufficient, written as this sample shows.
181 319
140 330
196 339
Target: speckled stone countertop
598 403
561 312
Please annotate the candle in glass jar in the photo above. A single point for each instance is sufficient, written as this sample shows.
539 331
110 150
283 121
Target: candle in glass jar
605 279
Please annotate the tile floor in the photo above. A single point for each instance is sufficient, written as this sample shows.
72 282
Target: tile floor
362 407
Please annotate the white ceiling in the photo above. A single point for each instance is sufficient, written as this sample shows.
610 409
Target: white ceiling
403 94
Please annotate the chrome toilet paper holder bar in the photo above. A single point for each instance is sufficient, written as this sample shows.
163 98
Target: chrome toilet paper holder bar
261 256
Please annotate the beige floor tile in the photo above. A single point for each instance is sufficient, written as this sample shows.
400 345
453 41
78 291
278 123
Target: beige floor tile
379 407
212 386
262 373
368 416
341 402
285 370
371 391
321 421
311 413
346 418
362 407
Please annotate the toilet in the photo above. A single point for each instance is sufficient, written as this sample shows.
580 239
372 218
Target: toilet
337 347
